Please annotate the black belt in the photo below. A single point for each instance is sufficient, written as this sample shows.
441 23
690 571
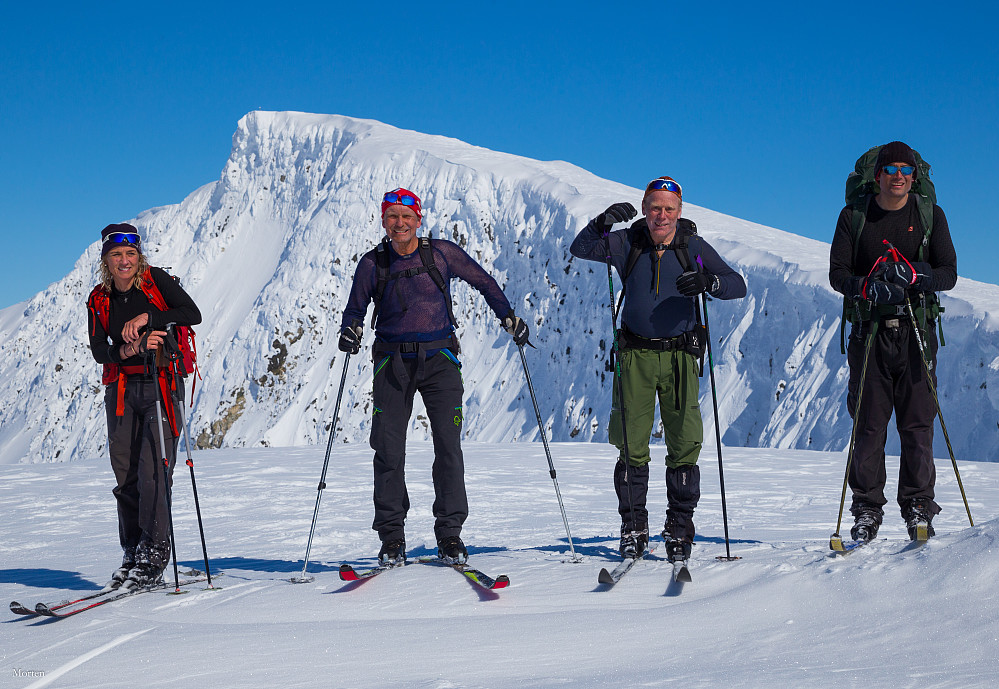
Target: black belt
415 347
630 340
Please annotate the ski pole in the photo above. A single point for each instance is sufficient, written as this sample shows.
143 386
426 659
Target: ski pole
551 465
924 355
151 366
836 541
194 487
714 402
619 378
322 478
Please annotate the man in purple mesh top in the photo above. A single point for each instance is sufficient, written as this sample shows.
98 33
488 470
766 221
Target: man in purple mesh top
415 349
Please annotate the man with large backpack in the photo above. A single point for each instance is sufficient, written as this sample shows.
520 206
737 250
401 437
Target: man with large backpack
664 267
891 252
416 349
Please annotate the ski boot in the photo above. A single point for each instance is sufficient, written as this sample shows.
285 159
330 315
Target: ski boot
634 540
452 550
867 520
393 552
918 521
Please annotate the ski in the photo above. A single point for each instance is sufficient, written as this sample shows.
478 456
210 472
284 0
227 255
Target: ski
348 573
473 574
841 547
680 572
613 576
60 610
19 609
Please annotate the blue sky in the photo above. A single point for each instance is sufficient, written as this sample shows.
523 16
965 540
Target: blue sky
760 110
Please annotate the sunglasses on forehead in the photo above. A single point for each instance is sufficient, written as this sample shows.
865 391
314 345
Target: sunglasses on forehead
123 238
892 169
664 185
404 199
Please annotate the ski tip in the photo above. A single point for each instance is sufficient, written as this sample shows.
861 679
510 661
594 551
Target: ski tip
836 543
347 573
605 577
682 575
502 581
42 609
19 609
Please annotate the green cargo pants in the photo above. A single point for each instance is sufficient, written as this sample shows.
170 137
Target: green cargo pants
670 376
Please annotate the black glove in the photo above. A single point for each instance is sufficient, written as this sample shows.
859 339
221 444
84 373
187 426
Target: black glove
517 328
619 212
692 283
916 275
882 292
350 339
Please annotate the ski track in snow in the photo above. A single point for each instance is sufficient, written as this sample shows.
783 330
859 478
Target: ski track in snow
787 613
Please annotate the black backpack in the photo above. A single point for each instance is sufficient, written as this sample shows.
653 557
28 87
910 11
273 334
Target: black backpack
383 276
861 187
685 229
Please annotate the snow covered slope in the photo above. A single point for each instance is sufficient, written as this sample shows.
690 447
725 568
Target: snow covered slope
788 614
268 252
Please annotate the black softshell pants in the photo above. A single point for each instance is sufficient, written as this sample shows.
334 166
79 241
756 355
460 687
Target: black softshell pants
438 380
133 443
896 381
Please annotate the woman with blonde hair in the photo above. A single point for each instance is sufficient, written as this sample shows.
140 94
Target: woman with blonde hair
128 314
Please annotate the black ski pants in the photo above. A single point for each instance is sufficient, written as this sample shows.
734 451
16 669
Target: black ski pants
396 381
896 381
136 459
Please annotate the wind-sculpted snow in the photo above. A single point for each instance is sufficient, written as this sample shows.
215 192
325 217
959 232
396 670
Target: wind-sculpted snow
268 252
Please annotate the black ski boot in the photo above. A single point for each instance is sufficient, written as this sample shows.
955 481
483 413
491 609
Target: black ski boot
678 534
867 521
452 550
121 574
634 540
143 575
918 520
393 552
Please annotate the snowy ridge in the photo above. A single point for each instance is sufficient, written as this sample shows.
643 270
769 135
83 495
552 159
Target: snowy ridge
268 252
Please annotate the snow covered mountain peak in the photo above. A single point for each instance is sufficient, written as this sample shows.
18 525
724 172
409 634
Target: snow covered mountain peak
269 249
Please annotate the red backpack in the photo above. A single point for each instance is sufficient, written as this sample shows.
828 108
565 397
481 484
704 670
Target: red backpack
187 363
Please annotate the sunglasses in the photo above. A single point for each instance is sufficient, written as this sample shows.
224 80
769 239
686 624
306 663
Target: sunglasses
404 199
123 238
892 169
664 185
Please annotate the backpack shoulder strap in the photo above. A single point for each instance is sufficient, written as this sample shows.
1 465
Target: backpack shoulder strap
684 230
381 275
859 220
639 240
427 256
152 292
924 205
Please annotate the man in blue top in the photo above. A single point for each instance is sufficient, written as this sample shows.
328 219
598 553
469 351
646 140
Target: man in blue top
415 348
663 266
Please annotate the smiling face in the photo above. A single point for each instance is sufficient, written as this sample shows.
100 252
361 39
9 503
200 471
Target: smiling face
894 188
662 209
123 264
401 224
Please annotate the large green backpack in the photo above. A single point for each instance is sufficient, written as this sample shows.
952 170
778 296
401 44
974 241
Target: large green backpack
860 187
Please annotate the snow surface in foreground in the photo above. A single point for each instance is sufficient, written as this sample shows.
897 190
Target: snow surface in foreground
786 614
